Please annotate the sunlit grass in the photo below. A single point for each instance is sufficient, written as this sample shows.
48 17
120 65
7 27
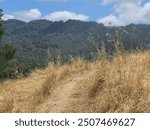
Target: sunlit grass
119 85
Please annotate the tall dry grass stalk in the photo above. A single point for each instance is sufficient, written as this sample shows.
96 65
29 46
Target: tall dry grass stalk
119 85
124 84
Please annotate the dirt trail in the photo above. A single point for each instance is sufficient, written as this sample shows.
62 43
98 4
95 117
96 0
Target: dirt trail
1 98
64 97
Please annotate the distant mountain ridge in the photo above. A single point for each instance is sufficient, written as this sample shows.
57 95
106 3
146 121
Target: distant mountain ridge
41 41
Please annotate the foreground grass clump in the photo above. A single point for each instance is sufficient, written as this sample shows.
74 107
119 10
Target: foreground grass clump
124 84
119 85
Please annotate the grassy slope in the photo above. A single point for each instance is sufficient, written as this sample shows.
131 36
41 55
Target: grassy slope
120 85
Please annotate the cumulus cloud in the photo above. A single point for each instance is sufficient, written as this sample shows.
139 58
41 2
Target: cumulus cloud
65 15
6 17
126 12
110 20
34 14
29 15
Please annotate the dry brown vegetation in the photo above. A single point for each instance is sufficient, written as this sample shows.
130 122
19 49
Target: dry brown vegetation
119 85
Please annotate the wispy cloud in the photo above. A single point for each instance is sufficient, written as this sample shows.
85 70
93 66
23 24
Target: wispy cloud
126 12
107 2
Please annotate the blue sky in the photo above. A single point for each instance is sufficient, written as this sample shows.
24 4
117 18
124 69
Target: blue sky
116 12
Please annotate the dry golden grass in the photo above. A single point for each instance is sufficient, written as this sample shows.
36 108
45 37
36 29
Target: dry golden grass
120 85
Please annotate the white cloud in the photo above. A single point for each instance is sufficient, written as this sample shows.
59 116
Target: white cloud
65 15
34 14
6 17
126 12
29 15
106 2
110 20
145 13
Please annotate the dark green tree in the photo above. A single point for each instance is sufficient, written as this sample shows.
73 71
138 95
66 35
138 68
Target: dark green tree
1 30
6 54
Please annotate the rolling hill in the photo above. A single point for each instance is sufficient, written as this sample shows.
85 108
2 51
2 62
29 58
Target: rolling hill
77 68
43 41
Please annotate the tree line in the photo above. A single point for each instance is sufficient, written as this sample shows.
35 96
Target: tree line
7 52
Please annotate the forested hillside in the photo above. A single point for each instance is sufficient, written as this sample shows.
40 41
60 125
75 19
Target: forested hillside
42 41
